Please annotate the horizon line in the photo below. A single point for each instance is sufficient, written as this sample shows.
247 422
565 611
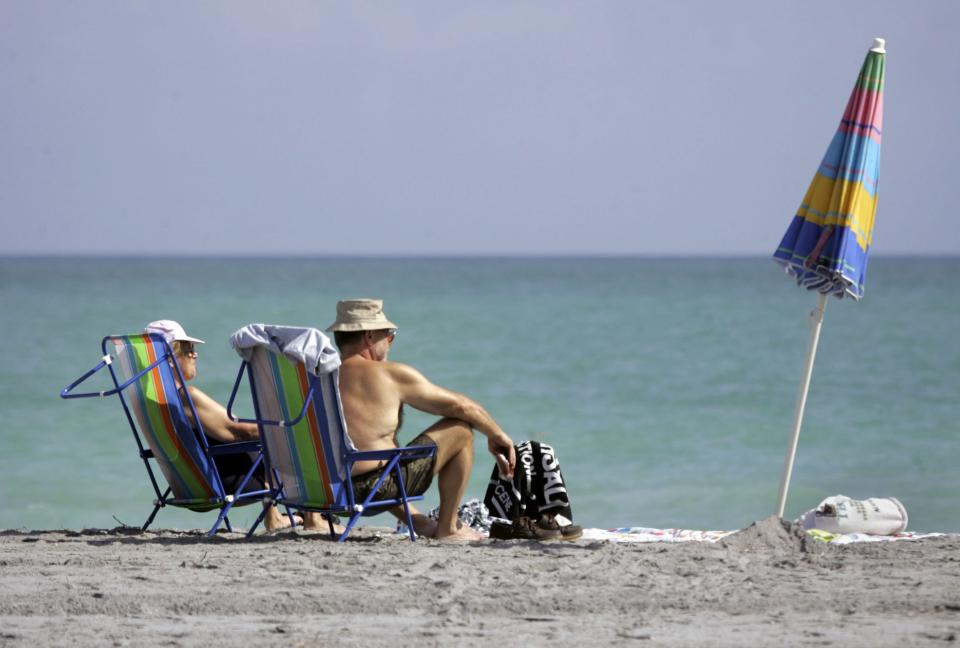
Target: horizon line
430 256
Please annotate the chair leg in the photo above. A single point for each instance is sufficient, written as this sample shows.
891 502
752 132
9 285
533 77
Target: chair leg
156 507
150 519
220 518
406 509
353 520
257 522
406 506
226 521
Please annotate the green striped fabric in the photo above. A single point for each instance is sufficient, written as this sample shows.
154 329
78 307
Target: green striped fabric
302 453
158 411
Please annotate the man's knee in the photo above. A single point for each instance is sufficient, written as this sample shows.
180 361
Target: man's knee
467 437
463 432
452 432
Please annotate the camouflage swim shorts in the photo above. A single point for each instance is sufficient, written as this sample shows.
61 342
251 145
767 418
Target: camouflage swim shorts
417 476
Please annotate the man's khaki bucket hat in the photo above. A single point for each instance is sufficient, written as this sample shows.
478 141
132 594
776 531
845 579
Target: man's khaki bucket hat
361 315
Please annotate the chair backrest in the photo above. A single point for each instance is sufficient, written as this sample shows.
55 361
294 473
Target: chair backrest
310 456
158 413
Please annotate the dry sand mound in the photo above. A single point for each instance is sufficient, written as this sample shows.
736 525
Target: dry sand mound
776 534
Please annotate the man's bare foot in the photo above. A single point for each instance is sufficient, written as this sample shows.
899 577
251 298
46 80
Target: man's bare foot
423 525
274 520
463 534
316 522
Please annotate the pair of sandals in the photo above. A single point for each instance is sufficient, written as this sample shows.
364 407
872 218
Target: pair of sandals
544 529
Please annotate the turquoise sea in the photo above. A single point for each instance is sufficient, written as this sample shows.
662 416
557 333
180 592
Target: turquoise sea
667 385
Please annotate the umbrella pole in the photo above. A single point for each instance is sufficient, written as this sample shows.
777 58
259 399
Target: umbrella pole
816 322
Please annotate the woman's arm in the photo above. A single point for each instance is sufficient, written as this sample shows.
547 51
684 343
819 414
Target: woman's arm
215 422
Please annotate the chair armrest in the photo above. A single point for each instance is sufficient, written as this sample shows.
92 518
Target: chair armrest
406 452
233 396
107 359
233 393
65 392
235 448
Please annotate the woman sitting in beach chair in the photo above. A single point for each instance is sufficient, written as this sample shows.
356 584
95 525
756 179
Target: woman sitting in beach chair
216 425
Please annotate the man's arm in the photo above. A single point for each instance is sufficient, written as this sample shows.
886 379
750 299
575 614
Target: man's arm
216 423
418 392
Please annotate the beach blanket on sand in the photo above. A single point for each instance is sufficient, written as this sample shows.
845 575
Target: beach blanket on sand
646 534
473 513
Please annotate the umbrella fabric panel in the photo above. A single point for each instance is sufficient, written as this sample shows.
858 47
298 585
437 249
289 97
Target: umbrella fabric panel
826 245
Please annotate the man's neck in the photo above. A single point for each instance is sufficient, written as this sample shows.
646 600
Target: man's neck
357 352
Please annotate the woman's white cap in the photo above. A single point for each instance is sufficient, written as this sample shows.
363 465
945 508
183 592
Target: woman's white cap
171 331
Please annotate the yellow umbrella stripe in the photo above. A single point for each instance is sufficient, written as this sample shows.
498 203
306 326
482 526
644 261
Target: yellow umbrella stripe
842 203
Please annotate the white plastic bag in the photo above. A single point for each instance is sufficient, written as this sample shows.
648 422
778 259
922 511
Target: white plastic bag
842 514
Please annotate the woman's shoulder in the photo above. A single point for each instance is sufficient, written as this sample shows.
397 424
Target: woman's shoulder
196 393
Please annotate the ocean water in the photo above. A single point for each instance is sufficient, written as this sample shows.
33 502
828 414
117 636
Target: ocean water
667 386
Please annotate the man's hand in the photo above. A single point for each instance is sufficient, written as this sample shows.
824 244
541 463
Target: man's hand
503 451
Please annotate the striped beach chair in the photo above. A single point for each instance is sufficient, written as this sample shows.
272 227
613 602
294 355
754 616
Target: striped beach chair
306 444
143 368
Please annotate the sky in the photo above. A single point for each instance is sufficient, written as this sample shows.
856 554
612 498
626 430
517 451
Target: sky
459 128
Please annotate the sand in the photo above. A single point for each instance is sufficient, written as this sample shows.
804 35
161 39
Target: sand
767 585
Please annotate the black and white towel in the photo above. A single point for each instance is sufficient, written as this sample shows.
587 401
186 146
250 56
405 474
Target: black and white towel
537 485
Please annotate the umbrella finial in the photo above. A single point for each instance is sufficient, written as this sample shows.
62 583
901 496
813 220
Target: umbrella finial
878 46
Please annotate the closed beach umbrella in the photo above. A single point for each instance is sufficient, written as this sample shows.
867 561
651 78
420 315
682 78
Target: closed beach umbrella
826 245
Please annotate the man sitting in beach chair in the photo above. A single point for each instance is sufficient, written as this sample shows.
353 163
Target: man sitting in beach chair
373 392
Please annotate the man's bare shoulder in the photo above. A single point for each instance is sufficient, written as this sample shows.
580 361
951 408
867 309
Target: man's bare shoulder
380 370
400 372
